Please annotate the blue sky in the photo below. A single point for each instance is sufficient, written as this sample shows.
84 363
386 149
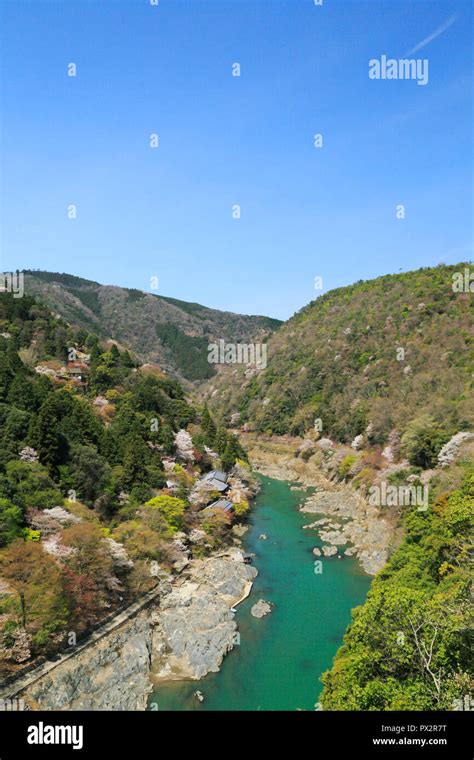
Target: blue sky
225 140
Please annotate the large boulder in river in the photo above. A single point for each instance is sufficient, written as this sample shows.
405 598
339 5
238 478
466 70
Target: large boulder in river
260 609
329 551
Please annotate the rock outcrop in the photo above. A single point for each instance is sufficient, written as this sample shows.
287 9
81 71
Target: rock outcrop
329 551
195 627
260 609
185 631
350 519
110 675
359 524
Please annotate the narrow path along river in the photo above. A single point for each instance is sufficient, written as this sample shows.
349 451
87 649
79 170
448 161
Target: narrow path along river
280 659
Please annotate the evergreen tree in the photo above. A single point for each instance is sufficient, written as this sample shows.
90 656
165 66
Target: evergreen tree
208 426
23 393
126 360
50 443
228 458
6 376
135 460
115 354
221 440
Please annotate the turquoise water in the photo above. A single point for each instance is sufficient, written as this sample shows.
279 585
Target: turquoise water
282 656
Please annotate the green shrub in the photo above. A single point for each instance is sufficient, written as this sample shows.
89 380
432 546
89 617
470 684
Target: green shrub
346 464
422 441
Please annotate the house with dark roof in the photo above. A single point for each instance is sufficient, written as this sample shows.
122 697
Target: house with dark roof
215 475
217 485
77 370
220 504
216 479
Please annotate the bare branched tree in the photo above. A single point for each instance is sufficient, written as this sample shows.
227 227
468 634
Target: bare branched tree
425 652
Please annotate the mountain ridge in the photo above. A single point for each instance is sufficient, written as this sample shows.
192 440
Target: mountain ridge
172 333
376 352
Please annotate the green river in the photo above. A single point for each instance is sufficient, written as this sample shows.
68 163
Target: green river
282 656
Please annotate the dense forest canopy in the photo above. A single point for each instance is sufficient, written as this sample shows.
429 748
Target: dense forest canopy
98 460
409 646
381 352
101 458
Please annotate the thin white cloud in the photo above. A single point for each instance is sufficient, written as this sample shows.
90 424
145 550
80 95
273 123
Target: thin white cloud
437 32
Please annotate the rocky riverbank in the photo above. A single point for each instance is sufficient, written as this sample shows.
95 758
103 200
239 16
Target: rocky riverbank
194 627
347 519
351 523
110 674
186 633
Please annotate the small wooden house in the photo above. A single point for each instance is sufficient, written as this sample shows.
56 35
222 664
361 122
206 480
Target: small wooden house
77 371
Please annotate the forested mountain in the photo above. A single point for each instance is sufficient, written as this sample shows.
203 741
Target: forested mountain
99 461
378 353
175 334
102 456
378 379
409 646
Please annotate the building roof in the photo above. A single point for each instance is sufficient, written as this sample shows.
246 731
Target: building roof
227 506
216 475
77 368
217 485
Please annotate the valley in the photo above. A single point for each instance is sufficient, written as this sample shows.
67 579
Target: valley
138 467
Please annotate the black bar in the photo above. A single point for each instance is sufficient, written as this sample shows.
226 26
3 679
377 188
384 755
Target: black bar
332 734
